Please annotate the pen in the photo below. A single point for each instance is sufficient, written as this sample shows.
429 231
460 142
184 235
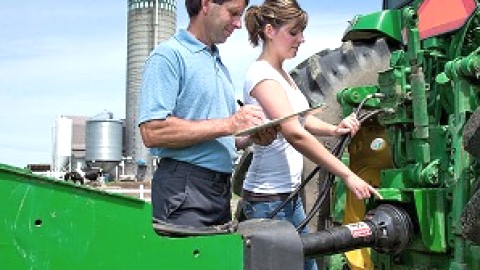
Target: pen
239 102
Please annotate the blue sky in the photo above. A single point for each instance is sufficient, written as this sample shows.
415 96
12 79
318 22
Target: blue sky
69 58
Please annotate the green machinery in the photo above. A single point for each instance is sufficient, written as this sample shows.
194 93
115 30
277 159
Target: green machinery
411 71
414 69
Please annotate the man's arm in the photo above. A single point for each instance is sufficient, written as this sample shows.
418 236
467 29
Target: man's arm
174 132
178 133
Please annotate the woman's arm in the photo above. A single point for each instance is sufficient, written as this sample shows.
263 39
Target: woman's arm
302 140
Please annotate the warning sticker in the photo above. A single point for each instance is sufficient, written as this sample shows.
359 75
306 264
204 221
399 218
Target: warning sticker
359 229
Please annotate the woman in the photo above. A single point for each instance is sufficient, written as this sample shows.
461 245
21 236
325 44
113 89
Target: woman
276 169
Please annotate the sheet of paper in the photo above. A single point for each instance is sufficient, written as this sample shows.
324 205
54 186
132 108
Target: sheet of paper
275 122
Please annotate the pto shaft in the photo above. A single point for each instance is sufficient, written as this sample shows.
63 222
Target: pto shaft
386 229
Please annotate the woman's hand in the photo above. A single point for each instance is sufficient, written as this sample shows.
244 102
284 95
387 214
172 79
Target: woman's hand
360 188
349 124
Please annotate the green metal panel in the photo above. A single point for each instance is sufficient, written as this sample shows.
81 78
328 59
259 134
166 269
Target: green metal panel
431 215
50 224
385 23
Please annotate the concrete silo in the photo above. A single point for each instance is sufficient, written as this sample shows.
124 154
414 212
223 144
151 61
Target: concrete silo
149 23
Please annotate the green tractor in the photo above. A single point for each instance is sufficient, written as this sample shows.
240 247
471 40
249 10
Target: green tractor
411 72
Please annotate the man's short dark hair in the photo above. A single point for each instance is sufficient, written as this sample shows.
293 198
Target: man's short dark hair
193 6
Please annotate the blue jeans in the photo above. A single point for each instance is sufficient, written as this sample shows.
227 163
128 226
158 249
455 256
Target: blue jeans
293 212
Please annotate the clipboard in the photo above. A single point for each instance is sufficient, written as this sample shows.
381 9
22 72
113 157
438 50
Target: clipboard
277 121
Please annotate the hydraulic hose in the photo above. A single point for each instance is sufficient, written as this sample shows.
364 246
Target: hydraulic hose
338 152
295 192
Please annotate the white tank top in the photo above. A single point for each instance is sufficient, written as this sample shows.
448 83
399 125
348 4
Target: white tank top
275 168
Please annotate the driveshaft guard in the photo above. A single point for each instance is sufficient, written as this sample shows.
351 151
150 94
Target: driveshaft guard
271 245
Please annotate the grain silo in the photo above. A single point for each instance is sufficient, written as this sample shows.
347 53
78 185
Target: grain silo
62 144
103 143
149 23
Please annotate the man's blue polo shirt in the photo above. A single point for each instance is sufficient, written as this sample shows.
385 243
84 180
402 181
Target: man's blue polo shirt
183 78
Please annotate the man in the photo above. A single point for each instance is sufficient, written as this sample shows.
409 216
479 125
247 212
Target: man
187 117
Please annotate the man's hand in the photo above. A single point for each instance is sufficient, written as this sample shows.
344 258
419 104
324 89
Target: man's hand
247 117
265 136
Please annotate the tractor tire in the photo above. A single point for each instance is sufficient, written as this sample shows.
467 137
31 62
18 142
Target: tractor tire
471 134
470 218
319 78
240 171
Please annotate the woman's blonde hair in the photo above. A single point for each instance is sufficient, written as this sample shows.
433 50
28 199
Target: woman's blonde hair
276 13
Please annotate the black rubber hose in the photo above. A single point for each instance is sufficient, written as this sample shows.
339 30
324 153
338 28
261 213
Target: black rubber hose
300 187
338 152
317 204
329 177
295 192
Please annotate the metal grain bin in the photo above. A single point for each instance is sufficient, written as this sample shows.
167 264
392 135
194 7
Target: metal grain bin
103 142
